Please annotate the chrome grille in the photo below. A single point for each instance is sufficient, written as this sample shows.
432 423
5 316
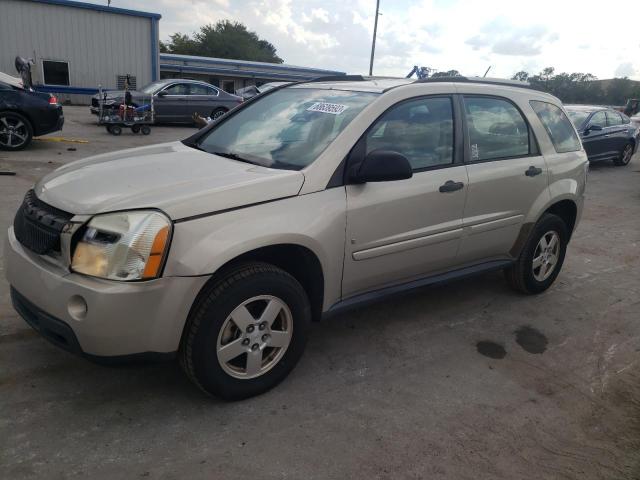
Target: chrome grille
37 225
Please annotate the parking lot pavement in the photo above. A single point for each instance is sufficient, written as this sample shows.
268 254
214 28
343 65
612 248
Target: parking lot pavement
463 381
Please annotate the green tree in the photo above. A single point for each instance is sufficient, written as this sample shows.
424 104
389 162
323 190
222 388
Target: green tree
225 39
447 73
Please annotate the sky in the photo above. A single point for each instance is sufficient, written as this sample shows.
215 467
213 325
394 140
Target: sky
466 35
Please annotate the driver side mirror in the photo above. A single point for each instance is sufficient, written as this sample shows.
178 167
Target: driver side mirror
382 166
593 128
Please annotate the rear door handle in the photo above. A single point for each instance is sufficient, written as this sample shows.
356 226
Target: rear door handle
533 171
451 186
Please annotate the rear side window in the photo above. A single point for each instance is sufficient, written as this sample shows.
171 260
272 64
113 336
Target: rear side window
496 129
613 119
421 130
560 130
195 89
599 119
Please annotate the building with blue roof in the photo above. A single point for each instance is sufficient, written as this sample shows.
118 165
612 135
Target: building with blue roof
77 47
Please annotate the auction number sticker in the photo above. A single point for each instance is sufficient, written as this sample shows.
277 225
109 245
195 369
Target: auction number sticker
332 108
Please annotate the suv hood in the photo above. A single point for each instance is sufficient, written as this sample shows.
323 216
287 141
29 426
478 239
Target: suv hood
175 178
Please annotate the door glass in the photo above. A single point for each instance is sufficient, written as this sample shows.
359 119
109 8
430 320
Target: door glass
613 119
195 89
178 89
496 129
599 119
421 130
558 126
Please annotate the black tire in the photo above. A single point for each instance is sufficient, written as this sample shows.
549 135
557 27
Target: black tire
218 112
198 355
19 125
145 129
520 276
625 156
135 128
115 130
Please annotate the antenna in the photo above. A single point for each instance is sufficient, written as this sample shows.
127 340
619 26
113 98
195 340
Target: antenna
485 73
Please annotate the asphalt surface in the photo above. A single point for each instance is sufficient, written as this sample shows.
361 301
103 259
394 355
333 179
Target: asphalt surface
464 381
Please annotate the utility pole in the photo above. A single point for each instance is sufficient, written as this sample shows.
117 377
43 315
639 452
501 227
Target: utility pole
373 43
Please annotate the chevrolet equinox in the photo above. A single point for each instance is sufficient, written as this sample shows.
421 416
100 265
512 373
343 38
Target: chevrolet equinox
307 200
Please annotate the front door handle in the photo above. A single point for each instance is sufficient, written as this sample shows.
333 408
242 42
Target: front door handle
533 171
451 186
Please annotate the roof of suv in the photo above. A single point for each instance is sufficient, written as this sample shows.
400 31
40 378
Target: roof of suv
382 84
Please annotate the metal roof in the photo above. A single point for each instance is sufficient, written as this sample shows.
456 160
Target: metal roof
100 8
222 65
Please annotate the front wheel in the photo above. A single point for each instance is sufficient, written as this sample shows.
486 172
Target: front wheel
246 332
541 258
625 156
15 131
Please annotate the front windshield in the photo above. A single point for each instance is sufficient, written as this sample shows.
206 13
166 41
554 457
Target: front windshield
286 129
152 87
578 117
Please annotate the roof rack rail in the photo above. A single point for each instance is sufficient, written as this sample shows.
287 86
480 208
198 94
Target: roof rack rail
336 78
492 81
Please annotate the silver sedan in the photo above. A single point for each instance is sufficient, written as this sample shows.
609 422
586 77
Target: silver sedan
174 100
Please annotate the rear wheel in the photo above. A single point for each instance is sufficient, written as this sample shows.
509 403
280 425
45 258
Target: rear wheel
217 113
246 332
115 130
145 129
16 131
625 156
135 128
541 258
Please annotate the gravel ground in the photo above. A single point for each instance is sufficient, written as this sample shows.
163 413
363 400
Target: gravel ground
464 381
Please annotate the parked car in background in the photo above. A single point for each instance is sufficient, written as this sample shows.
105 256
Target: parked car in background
174 100
605 133
25 114
304 202
252 90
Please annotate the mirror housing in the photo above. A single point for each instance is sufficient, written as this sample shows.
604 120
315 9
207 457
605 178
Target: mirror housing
382 166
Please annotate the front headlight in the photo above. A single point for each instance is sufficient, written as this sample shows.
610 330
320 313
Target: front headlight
123 246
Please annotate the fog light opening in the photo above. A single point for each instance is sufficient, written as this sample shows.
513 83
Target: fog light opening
77 307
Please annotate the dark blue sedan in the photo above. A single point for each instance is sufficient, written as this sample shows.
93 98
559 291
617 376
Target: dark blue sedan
605 133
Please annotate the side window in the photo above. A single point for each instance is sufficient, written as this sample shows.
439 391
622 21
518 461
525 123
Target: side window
196 89
625 119
421 130
496 129
613 119
178 89
599 119
560 130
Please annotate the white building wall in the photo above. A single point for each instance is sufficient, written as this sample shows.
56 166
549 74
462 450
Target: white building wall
97 45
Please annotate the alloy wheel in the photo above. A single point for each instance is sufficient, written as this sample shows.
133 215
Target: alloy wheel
254 337
13 132
545 256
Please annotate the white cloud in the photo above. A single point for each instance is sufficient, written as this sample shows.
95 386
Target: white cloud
467 35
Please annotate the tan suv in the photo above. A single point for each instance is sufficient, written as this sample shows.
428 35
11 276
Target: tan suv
306 200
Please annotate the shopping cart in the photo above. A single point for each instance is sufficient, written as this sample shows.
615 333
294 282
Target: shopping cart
138 117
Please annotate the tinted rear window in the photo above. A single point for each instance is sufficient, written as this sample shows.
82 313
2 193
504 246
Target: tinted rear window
560 130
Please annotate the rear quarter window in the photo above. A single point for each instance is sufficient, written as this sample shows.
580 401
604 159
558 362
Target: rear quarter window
558 127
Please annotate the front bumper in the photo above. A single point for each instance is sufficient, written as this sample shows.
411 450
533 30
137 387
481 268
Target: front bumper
122 318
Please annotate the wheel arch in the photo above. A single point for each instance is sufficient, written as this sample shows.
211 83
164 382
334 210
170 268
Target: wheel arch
297 260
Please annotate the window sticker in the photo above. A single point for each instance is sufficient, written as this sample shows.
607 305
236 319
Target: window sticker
332 108
475 152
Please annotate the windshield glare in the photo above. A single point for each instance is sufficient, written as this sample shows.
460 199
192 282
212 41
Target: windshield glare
288 128
578 117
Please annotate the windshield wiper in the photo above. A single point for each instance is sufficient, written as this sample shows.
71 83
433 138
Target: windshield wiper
234 156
